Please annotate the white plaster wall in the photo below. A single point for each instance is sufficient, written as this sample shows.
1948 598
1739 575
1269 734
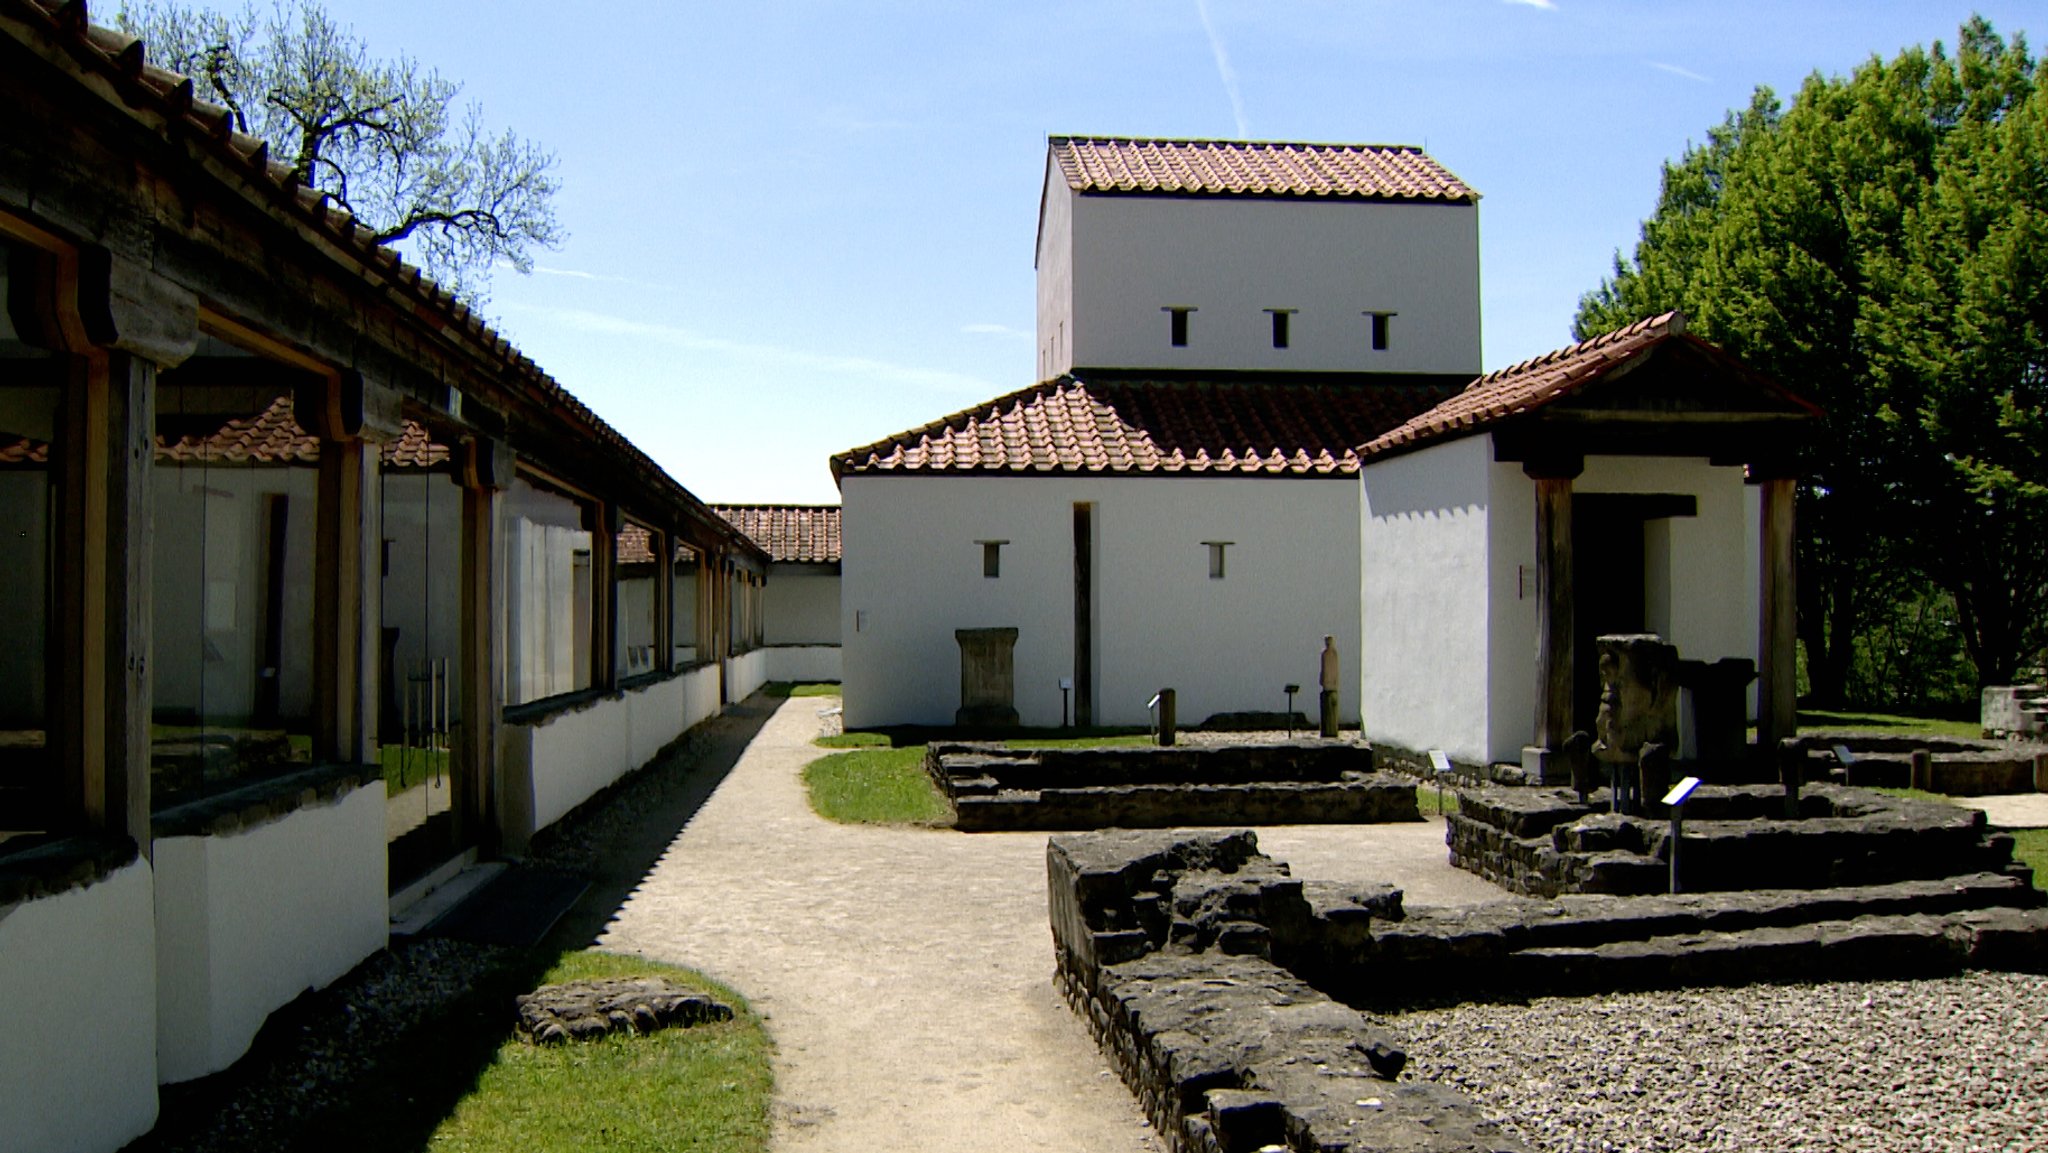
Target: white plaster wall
912 574
1231 259
802 663
247 921
1424 578
1703 603
550 767
744 673
802 607
1055 264
78 1062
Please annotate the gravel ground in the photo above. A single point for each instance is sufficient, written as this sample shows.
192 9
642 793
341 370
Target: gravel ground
1952 1065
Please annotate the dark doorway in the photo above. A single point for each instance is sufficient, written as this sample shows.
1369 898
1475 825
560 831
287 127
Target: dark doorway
1084 610
1610 572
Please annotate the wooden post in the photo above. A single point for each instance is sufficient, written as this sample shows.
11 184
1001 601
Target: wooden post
486 472
338 603
1556 629
1777 684
129 569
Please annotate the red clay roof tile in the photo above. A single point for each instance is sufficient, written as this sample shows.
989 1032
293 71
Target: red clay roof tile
1256 168
790 533
1545 380
1154 426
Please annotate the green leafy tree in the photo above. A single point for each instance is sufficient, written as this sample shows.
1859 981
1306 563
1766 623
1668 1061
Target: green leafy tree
383 139
1793 237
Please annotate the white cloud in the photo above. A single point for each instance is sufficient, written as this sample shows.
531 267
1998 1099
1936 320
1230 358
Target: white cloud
1675 70
1546 5
985 329
1224 70
929 379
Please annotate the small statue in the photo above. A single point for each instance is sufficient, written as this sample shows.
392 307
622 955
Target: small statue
1331 680
1638 706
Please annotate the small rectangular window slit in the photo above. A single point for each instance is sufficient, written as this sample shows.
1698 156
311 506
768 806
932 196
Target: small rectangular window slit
1177 315
1280 324
1381 322
992 558
1216 548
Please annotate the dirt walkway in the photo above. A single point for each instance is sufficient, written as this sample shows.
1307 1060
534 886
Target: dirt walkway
906 974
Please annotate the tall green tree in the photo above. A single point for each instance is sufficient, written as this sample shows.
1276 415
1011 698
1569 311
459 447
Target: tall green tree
383 138
1793 237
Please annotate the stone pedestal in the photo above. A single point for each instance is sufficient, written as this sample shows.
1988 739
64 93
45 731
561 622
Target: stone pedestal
988 678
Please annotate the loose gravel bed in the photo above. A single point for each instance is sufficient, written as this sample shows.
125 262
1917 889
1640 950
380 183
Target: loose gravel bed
1952 1065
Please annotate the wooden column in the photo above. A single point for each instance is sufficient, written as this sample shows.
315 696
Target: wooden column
1777 693
486 472
129 575
1556 628
338 703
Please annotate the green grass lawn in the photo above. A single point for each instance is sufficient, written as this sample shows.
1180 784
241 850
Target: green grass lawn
2030 847
1889 723
406 767
702 1088
875 786
783 689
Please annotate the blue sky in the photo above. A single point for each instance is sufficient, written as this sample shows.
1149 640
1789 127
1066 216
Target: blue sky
796 227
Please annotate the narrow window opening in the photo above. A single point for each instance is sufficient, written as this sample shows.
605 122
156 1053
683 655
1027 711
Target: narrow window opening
1280 317
1216 549
992 558
1178 316
1381 322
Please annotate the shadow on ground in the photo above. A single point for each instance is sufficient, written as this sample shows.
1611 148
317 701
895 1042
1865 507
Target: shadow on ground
323 1075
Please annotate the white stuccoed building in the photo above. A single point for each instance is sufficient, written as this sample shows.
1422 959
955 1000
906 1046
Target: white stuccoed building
1261 422
1177 504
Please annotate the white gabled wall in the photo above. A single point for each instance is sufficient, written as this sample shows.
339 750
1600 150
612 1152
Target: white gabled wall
1232 258
912 574
1425 578
801 605
1055 263
78 1069
1449 586
246 921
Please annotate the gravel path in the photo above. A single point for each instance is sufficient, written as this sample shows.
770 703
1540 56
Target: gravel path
1952 1065
906 974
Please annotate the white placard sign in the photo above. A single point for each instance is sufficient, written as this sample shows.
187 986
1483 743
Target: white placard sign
1439 761
1682 791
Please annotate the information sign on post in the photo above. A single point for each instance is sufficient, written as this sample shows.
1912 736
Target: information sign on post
1675 799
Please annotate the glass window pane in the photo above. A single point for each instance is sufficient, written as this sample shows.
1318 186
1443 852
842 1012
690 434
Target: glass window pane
419 505
683 602
235 491
548 592
29 399
633 575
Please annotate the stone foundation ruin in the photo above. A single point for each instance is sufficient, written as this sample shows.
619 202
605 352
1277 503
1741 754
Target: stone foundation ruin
993 787
1226 992
1545 842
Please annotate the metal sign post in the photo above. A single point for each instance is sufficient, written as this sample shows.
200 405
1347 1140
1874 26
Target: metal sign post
1441 762
1680 793
1066 686
1290 690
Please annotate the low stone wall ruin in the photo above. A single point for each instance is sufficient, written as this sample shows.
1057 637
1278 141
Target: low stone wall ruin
1543 842
996 788
1223 989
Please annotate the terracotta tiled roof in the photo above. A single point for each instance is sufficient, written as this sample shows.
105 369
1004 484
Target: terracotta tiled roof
1149 426
1232 167
273 436
169 101
1547 379
791 533
635 545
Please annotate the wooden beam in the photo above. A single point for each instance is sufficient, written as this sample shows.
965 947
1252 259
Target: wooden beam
1556 629
476 751
128 590
338 603
1777 658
